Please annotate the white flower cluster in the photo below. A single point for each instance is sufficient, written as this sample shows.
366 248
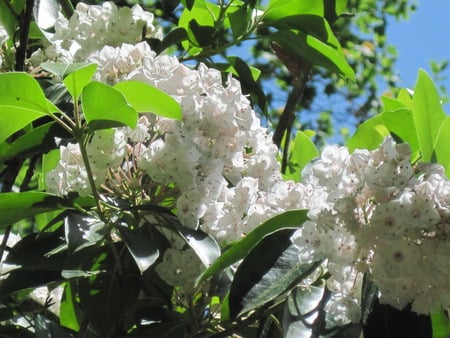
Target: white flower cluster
369 211
384 217
92 27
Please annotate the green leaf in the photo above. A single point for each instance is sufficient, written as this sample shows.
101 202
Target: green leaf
368 135
279 9
390 103
16 206
238 250
270 269
310 24
145 98
106 107
310 48
21 97
77 79
175 36
442 148
22 90
302 310
427 113
198 16
204 245
400 122
141 246
22 117
99 299
8 20
441 324
303 151
38 140
239 20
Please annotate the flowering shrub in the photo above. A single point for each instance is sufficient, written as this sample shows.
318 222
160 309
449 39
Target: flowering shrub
161 209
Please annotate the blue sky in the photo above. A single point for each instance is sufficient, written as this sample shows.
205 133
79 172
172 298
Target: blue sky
423 37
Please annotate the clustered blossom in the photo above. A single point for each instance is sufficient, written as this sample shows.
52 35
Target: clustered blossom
386 218
93 26
369 211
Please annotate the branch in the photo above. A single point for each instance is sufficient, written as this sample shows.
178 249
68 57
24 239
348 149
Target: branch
24 30
300 70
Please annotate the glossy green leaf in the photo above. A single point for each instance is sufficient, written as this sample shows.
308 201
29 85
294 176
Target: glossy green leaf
77 79
106 107
270 269
368 135
141 246
401 123
239 249
204 245
302 152
302 309
145 98
16 206
442 148
427 113
313 50
279 9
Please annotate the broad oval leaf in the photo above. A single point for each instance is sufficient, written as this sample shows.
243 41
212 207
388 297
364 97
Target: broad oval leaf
147 99
22 117
141 246
77 79
16 206
269 270
22 90
313 50
106 107
238 250
427 113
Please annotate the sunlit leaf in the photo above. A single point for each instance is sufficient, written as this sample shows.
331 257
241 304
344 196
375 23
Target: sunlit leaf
77 79
442 148
16 206
313 50
400 122
369 134
106 107
427 113
279 9
145 98
303 151
69 314
38 140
